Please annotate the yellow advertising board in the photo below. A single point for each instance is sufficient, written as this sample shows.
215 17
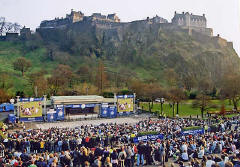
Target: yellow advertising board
30 109
125 105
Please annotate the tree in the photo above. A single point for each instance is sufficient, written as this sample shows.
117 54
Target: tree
101 77
171 77
22 64
152 91
6 27
62 78
5 81
189 82
54 84
65 73
39 83
231 89
203 100
85 73
3 96
137 87
176 95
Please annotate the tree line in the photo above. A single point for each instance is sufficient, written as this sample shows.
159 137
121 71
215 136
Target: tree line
87 80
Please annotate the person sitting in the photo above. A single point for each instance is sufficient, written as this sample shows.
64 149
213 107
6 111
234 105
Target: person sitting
201 153
209 162
184 156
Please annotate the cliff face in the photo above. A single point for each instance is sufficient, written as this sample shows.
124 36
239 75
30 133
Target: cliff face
147 48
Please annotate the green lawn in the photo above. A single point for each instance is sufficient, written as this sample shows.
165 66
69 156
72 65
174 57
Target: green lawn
185 108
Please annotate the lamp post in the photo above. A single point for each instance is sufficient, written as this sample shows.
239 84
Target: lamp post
162 100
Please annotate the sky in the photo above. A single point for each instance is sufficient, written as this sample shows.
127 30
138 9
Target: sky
222 15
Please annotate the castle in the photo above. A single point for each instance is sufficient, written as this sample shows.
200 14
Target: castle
192 22
74 17
186 21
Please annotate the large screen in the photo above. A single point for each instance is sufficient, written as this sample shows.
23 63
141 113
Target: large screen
125 105
30 109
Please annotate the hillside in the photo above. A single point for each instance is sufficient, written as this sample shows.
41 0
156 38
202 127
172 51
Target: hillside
137 50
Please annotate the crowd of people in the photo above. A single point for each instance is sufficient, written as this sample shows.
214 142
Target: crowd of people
114 145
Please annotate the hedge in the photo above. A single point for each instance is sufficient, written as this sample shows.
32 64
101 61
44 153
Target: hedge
192 128
148 133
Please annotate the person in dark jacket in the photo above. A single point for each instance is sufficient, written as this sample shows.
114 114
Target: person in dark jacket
148 154
140 153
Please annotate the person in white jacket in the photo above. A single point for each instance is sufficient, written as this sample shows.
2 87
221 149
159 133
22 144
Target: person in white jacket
201 152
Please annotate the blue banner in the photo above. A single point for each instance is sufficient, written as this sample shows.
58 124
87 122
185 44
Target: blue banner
51 117
104 112
148 138
108 112
59 113
80 105
31 99
112 112
11 118
193 132
125 96
34 119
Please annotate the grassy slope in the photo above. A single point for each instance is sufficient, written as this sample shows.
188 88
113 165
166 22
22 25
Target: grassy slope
9 51
185 108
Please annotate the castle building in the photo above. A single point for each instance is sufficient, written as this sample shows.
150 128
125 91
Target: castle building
186 21
158 19
98 16
113 18
192 22
75 16
25 33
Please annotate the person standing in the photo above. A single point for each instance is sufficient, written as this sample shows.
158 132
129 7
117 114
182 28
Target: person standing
148 153
140 153
162 153
129 153
114 158
121 157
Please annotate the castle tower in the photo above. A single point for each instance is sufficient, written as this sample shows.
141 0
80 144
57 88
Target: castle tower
192 22
75 16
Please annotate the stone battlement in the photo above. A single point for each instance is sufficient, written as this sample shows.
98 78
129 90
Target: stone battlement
186 21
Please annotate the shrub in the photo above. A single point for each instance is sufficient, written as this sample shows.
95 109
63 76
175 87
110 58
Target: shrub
192 128
148 133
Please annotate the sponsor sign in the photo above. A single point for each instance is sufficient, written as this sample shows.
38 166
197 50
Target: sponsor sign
108 112
148 138
30 99
193 132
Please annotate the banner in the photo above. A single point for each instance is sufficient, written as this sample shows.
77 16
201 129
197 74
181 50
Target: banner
51 117
60 112
108 112
80 105
31 99
193 132
125 105
11 118
112 112
30 109
148 138
104 112
35 119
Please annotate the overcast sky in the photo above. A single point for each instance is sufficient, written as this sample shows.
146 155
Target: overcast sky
222 15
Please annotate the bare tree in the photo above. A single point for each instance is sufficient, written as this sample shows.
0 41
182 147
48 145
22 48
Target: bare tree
6 27
2 25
